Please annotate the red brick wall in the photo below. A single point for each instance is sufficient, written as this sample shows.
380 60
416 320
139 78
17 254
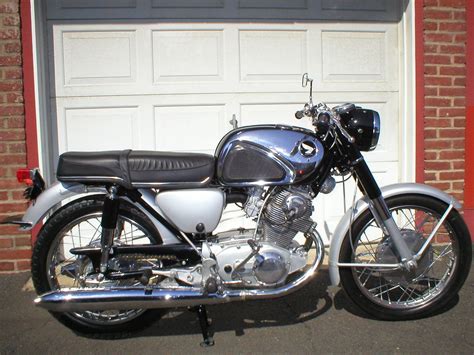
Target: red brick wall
15 249
444 23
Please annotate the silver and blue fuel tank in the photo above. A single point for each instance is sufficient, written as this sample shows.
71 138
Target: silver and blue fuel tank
267 155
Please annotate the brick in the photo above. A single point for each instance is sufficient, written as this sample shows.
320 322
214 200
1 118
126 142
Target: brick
430 26
457 165
439 37
459 59
431 48
23 265
431 155
8 61
458 143
427 3
437 144
15 254
12 207
431 91
7 266
452 49
12 86
459 82
437 81
12 135
431 70
14 98
434 59
17 195
459 15
430 112
451 133
459 102
13 47
10 230
429 176
437 102
22 241
437 165
10 159
437 14
441 185
9 34
11 110
452 112
451 154
11 20
438 122
451 175
16 73
430 133
6 243
16 147
460 38
3 194
9 7
458 185
14 122
452 91
452 26
452 3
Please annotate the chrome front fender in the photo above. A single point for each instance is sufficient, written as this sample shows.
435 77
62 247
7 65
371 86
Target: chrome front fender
362 205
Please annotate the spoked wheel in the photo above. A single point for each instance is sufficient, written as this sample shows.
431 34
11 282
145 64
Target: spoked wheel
397 294
54 267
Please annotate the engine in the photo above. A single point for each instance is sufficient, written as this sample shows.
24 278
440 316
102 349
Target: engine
241 261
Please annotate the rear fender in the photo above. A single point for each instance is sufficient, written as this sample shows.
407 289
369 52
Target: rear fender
361 205
61 193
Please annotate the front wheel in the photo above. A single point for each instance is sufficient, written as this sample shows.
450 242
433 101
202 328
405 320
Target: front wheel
399 294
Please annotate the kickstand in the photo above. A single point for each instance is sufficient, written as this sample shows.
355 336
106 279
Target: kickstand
204 323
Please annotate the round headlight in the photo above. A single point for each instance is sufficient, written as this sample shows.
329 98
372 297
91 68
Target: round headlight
364 126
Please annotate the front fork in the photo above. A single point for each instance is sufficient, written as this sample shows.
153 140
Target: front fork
381 213
109 226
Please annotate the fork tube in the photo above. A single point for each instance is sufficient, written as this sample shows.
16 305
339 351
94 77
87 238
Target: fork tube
109 224
381 212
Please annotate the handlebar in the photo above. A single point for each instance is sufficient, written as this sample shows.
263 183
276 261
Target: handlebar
322 112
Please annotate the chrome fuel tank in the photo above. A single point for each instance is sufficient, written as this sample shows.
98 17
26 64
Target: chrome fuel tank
267 155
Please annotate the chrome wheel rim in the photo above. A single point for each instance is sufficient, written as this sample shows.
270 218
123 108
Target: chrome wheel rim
84 231
400 289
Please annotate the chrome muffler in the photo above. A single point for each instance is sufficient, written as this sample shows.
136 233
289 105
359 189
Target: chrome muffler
79 300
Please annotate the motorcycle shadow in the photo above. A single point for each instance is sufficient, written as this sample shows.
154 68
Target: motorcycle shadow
310 302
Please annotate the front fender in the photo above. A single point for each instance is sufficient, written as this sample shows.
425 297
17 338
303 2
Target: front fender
361 205
52 198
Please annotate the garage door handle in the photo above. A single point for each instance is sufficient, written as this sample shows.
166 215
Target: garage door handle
234 122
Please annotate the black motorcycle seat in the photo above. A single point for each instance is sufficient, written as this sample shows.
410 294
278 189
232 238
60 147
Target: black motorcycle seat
130 168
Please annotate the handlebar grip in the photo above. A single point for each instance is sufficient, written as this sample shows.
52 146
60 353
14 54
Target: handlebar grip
299 114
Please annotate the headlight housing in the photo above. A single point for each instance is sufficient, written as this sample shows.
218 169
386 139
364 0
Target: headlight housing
364 125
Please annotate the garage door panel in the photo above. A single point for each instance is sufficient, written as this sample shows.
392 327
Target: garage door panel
187 55
272 55
89 129
99 57
366 61
189 128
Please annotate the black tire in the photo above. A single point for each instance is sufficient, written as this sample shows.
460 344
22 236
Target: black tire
412 287
51 233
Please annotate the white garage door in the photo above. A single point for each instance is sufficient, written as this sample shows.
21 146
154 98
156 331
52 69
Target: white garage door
176 85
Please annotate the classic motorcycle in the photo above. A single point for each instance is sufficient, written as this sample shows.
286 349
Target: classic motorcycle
128 232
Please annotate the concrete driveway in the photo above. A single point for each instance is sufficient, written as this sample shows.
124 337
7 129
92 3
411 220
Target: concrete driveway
313 320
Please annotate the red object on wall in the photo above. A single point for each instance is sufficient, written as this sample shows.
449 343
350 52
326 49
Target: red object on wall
420 92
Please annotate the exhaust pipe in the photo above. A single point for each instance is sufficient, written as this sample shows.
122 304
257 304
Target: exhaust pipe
79 300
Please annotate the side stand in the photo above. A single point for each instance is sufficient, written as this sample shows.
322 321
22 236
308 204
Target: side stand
204 323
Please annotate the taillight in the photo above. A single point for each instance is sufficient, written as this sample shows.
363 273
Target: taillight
24 176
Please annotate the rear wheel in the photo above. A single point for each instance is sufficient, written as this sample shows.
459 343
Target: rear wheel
54 267
397 294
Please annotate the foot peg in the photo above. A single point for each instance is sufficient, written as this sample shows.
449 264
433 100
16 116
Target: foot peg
204 323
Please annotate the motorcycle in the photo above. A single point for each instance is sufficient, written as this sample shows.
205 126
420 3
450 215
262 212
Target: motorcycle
129 232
